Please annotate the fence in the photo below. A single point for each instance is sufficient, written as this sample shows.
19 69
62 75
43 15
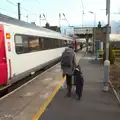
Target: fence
116 52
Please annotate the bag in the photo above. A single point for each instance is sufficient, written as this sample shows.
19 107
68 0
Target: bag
64 86
66 60
78 76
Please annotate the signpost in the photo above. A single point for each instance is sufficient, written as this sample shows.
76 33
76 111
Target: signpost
107 62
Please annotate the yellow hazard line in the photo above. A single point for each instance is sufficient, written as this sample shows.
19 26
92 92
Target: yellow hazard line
47 102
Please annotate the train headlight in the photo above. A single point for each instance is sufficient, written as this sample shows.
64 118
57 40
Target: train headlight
8 36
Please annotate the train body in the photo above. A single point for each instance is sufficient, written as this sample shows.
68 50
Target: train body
26 48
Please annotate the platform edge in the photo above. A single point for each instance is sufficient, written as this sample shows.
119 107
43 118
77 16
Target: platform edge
48 101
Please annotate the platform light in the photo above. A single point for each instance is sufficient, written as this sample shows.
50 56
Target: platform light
8 36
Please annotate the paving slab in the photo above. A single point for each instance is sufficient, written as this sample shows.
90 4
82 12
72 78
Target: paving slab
94 104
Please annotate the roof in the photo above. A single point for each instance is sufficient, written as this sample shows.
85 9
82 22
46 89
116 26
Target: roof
13 21
55 28
10 20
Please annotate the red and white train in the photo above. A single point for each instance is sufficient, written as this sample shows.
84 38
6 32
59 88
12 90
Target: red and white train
26 48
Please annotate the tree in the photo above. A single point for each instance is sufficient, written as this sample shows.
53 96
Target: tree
111 54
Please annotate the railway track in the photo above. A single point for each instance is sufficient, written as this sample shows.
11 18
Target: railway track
9 88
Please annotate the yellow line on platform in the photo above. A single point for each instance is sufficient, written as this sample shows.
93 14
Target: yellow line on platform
47 102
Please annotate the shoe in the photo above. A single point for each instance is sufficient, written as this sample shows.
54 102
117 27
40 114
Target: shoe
68 95
69 92
78 98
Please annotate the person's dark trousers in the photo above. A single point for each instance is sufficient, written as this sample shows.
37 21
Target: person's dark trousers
69 84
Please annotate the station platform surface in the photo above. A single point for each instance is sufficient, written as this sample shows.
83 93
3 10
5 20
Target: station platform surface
94 104
25 102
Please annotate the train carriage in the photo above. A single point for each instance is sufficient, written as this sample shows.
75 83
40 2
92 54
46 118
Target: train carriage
26 48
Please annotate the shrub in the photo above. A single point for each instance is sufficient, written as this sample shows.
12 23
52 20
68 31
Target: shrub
111 54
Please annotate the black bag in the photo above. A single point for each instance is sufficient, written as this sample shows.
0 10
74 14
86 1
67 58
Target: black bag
78 77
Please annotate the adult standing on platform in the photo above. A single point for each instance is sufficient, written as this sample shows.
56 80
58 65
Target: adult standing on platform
68 64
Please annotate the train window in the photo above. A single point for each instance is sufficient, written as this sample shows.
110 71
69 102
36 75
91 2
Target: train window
62 43
19 44
26 43
33 43
65 43
41 40
50 43
45 43
54 43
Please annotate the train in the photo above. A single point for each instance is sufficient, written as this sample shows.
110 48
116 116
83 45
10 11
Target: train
26 48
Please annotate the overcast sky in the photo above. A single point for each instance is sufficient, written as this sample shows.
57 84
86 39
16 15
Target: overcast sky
51 8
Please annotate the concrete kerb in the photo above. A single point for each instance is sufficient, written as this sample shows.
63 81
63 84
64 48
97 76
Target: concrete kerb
115 92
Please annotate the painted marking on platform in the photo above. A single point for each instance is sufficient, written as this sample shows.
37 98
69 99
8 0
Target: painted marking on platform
45 96
48 79
47 102
29 94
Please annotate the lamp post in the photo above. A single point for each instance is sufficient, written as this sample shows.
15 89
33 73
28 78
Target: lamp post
83 18
27 17
40 18
87 39
107 62
94 31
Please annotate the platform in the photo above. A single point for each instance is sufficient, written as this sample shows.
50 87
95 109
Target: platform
94 105
24 103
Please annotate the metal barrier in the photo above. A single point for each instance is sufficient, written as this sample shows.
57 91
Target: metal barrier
116 52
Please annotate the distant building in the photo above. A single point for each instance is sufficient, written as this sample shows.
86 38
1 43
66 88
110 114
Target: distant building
54 28
33 23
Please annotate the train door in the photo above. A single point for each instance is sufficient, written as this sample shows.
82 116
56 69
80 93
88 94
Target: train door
3 61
